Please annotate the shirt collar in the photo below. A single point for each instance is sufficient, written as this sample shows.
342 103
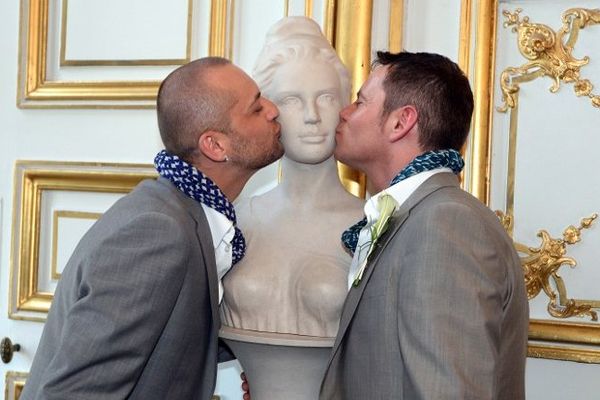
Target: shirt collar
399 191
220 226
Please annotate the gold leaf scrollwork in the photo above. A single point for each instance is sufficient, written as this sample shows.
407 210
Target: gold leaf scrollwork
550 54
541 266
505 220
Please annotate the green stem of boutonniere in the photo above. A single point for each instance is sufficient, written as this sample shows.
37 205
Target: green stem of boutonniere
386 205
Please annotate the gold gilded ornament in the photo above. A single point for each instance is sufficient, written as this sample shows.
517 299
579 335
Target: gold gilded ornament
549 54
541 267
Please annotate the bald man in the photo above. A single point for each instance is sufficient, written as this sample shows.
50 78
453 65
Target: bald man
135 313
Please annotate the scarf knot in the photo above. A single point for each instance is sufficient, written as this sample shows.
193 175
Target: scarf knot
193 183
425 162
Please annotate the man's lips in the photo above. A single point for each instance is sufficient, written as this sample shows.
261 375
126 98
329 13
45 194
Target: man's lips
278 130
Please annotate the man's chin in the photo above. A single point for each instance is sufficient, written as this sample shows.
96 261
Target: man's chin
274 156
279 153
339 156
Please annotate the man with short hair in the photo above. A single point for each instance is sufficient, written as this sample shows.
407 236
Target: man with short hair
135 313
436 307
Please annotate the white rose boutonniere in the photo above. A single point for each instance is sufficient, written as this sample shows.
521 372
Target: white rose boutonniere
386 205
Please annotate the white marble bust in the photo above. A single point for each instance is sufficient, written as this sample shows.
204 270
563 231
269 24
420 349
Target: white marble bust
293 278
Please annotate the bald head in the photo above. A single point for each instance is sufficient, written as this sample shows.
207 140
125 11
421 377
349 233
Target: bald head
189 104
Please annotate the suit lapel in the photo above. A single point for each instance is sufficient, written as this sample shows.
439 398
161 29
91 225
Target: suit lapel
204 237
432 184
355 293
208 253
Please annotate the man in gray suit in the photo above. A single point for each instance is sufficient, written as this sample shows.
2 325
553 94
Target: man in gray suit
436 307
135 313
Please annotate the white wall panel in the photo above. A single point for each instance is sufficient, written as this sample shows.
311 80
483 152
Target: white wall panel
556 380
125 30
432 26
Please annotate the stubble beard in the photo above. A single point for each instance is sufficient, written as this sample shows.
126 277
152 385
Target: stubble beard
246 154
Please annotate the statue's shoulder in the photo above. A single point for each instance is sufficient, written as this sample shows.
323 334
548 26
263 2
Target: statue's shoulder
257 208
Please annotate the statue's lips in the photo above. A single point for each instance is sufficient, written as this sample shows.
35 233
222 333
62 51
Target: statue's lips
313 138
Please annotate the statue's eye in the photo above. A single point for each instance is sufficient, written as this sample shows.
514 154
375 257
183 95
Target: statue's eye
326 98
289 101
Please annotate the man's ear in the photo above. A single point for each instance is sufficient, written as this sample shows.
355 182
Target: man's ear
212 145
401 121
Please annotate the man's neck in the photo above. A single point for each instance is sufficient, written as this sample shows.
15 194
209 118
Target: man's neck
230 180
380 174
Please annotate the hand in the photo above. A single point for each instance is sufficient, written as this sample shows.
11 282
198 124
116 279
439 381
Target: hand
245 387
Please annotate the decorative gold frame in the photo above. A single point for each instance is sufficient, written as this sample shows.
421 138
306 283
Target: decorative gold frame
14 384
31 179
36 91
396 25
175 61
548 338
222 16
352 41
64 214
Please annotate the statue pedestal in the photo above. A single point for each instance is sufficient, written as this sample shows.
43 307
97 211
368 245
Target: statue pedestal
280 366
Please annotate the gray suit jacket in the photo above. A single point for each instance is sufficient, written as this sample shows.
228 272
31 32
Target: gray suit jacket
135 312
441 311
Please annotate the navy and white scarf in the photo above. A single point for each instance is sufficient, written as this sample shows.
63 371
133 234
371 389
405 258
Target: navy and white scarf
425 162
199 187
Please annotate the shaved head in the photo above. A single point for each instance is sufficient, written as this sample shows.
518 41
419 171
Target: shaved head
189 104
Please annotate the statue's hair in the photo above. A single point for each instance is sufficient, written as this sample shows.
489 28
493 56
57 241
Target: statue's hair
297 38
189 105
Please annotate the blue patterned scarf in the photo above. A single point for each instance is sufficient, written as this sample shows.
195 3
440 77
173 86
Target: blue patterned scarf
199 187
425 162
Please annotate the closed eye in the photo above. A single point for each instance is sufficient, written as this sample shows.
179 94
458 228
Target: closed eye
289 101
327 97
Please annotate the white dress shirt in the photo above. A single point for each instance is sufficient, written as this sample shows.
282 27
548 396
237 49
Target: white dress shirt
400 192
222 232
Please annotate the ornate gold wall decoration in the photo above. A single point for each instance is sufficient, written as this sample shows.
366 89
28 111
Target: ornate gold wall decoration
541 265
550 54
506 220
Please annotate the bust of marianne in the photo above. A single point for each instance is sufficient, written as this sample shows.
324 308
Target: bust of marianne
293 278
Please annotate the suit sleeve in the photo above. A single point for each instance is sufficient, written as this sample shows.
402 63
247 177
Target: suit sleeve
450 299
125 297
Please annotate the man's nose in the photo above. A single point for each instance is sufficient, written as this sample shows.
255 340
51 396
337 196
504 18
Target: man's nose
344 112
272 111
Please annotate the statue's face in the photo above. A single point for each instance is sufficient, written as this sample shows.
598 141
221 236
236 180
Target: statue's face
307 93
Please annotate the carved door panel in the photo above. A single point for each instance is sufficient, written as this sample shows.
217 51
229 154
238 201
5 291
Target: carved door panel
545 114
